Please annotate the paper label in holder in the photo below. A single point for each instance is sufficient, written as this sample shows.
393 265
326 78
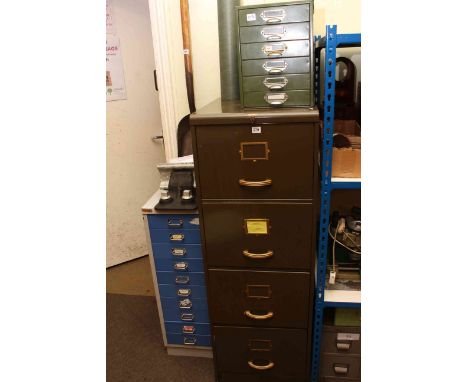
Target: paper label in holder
348 336
251 17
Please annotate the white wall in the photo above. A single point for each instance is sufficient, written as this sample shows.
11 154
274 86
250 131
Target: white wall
132 176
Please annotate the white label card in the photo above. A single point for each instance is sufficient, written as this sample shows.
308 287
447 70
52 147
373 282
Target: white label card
256 129
348 336
251 17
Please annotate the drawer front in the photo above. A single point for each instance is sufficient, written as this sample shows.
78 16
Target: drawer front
340 366
277 66
181 278
275 49
241 349
257 157
181 327
182 291
231 377
181 266
282 32
276 82
233 239
177 252
258 298
173 221
175 236
188 339
198 312
274 15
341 339
278 99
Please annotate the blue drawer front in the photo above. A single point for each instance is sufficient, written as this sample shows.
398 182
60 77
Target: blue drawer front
175 236
178 291
197 313
189 221
181 278
177 251
181 266
178 328
186 339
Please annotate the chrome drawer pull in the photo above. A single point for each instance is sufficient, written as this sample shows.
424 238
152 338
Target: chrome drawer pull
182 266
190 341
273 33
250 255
187 316
276 98
184 292
182 279
176 237
272 16
188 329
258 367
275 83
175 223
343 370
258 317
277 66
185 304
343 346
274 50
255 183
178 251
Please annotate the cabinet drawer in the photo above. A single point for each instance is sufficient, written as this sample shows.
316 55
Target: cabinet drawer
176 251
231 377
188 340
181 266
276 66
241 349
274 15
259 298
233 239
340 366
275 49
341 339
276 82
187 328
281 32
175 236
247 157
181 278
182 291
173 221
286 98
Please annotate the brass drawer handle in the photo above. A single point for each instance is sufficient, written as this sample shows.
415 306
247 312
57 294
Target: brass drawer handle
258 367
255 183
343 346
250 255
184 292
273 33
181 266
274 50
275 83
271 16
274 67
258 317
176 237
275 98
343 370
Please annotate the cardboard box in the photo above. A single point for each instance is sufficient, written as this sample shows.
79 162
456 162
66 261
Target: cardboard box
346 163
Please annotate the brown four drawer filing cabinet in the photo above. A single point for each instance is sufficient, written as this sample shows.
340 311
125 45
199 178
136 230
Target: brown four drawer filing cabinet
257 180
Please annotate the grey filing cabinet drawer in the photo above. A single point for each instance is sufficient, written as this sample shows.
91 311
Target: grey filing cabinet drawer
341 339
275 49
269 99
296 31
276 66
274 15
277 82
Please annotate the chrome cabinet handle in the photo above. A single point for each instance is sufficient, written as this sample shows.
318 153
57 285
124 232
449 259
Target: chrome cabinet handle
184 292
187 316
185 304
274 50
258 367
272 16
275 98
190 341
178 252
176 237
182 279
251 255
258 316
175 223
255 183
275 83
343 346
273 33
181 266
274 67
340 369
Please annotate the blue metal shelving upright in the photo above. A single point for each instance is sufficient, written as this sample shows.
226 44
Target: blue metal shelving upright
331 41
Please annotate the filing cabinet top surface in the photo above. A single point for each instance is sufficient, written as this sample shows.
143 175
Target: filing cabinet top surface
230 112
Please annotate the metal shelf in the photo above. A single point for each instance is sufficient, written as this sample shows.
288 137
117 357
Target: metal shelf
324 297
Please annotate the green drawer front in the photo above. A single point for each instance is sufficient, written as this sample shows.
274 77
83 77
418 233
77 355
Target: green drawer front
282 32
276 66
275 49
274 15
274 82
294 98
